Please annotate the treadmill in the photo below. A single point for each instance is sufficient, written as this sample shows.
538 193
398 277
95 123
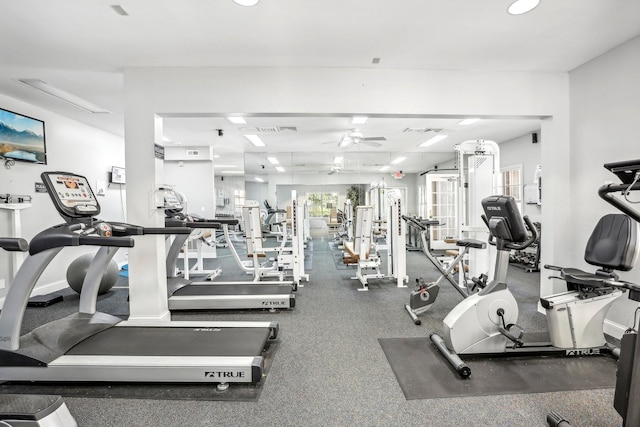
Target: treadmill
32 410
184 294
98 347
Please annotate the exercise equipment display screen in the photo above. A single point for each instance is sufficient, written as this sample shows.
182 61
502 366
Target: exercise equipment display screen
71 194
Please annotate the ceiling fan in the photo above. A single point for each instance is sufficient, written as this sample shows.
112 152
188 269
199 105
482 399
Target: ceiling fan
338 168
356 137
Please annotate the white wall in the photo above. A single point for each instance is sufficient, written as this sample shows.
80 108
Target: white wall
605 109
195 180
259 191
72 147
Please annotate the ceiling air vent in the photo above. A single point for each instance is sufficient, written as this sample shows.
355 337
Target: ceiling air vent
269 129
276 129
193 153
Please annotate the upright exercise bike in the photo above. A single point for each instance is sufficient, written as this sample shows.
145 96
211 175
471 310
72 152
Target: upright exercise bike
484 324
424 294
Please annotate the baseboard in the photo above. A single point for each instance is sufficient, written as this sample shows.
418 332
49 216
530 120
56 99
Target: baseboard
44 289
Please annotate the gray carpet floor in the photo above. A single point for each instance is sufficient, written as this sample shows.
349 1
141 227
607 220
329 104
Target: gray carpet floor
330 370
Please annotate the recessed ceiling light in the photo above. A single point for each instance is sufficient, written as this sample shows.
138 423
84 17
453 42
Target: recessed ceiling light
433 140
520 7
65 96
273 160
359 120
279 168
398 160
467 122
237 120
246 2
255 140
259 179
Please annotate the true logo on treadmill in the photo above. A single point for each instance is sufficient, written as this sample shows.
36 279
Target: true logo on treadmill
207 329
272 303
224 374
583 352
5 339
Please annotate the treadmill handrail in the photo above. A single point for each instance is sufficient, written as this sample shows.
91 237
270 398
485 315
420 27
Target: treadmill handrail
125 229
64 235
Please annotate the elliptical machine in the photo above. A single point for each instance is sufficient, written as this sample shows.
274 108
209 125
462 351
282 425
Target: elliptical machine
484 324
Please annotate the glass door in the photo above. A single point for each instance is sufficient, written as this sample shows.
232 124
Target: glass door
441 203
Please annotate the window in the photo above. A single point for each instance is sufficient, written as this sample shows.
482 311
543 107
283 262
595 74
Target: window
441 201
512 182
320 204
238 202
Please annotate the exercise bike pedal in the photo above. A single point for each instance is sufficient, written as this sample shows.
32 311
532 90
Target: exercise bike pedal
421 299
512 332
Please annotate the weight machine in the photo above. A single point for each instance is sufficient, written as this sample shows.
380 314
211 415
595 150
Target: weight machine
478 164
287 260
365 253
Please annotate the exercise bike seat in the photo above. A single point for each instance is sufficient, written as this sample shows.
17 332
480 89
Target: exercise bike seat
579 278
471 243
611 246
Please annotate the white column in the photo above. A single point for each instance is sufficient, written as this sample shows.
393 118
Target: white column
147 273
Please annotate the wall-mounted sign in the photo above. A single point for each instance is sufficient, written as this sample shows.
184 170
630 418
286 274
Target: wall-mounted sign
40 188
158 151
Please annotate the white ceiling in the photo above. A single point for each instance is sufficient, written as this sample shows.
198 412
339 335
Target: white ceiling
83 47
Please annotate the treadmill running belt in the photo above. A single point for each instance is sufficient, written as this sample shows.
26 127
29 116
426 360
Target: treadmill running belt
174 341
191 290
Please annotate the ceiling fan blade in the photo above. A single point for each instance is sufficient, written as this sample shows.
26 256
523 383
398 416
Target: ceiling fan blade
331 172
331 142
371 143
374 138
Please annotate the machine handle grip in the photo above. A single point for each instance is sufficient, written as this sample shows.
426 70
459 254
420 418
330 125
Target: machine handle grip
606 193
622 284
14 244
486 222
166 230
124 229
119 242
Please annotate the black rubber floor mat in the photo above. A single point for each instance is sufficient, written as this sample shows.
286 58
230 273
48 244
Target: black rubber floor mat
423 372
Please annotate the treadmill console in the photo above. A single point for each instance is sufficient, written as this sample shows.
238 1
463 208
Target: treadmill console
171 199
71 194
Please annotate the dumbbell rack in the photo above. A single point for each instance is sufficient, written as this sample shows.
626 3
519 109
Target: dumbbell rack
529 259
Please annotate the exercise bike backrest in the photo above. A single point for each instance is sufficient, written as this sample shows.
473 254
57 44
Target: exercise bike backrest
613 244
506 225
